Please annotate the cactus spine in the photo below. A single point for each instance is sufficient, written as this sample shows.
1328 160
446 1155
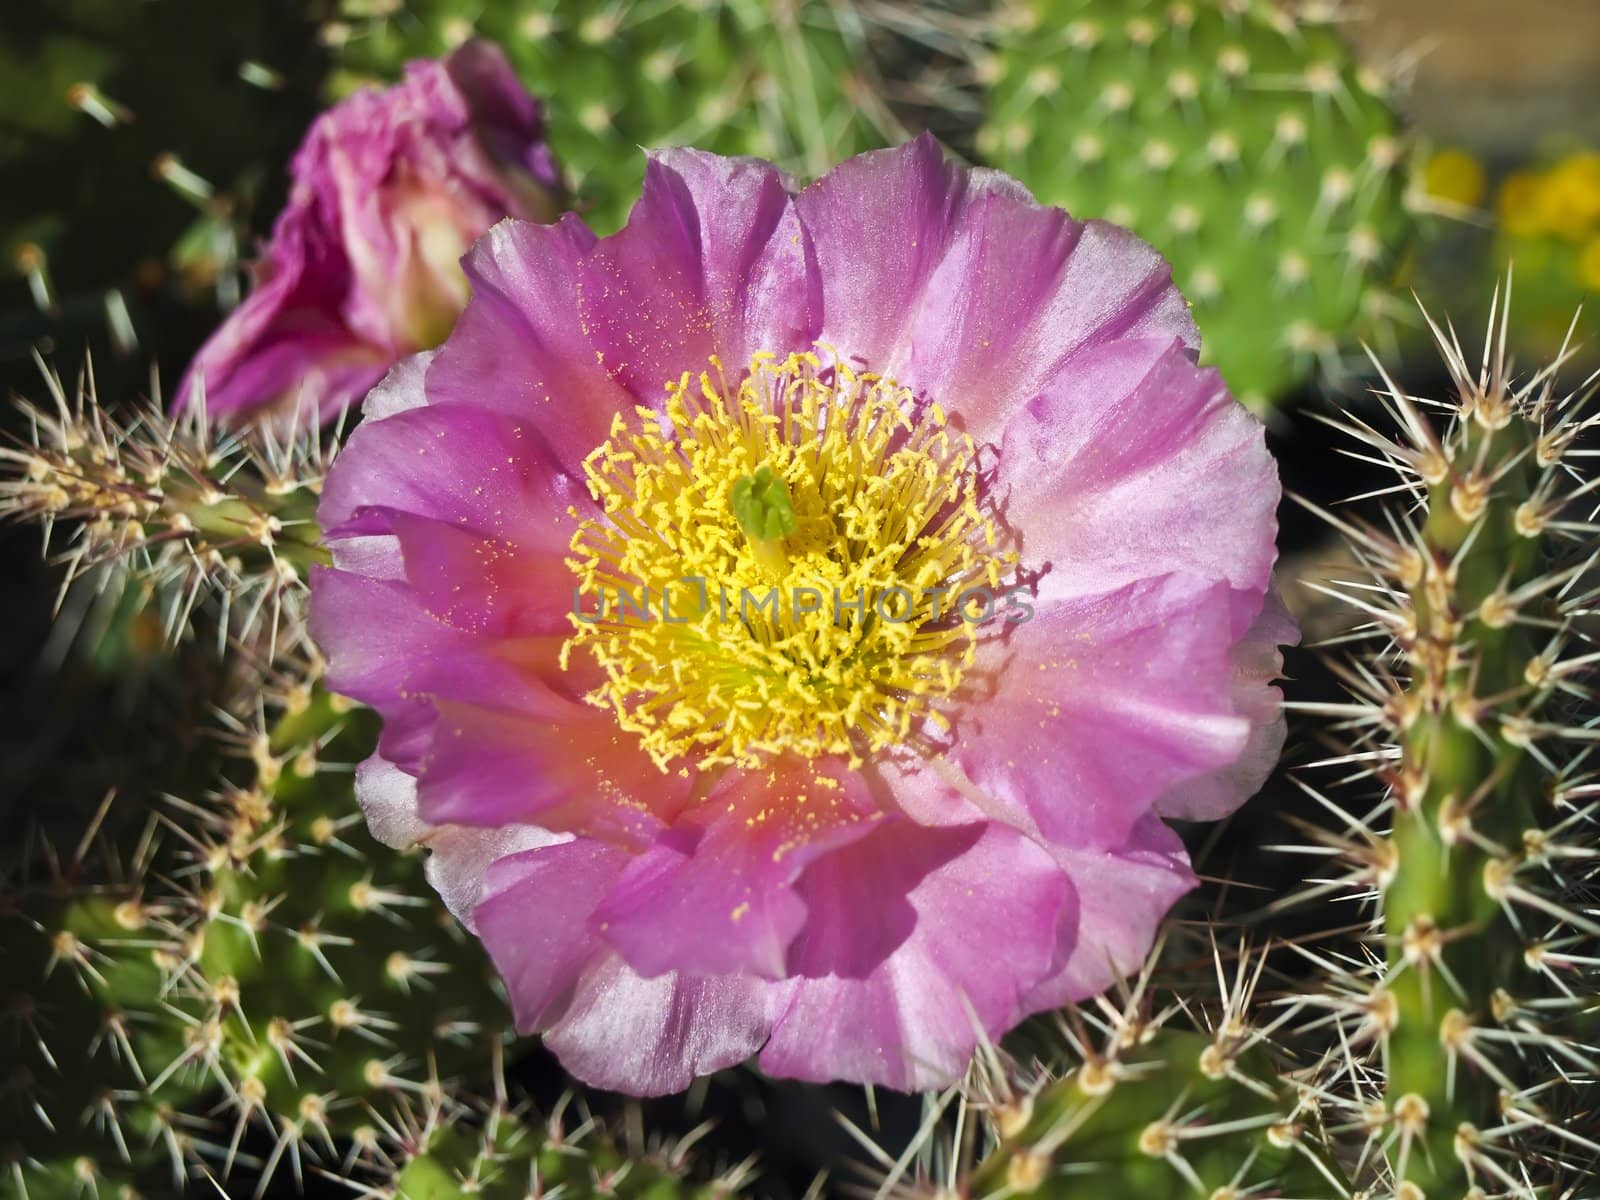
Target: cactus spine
167 503
275 969
503 1152
1469 711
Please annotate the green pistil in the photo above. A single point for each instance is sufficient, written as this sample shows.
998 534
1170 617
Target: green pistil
762 505
765 512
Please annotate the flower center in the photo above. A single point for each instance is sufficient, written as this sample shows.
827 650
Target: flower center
799 564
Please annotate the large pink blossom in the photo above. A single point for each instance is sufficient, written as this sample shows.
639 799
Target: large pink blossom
848 844
389 189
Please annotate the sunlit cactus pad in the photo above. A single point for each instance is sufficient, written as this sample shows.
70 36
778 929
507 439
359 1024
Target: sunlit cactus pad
789 81
1247 145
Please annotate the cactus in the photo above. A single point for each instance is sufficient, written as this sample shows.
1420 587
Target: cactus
171 508
71 1096
1473 711
1148 1098
793 82
279 969
1246 145
502 1153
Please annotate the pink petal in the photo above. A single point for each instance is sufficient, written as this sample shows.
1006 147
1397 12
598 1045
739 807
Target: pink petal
1123 894
880 223
520 346
985 935
566 331
542 960
384 650
717 896
555 762
1022 291
874 877
712 261
1256 664
1135 463
962 288
649 1037
481 471
482 586
1100 705
400 390
458 856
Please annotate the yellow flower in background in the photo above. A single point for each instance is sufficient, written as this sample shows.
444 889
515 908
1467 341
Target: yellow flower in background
1571 197
1563 200
1456 177
1589 265
1519 205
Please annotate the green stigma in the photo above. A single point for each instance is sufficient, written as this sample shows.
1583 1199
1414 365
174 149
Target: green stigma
762 506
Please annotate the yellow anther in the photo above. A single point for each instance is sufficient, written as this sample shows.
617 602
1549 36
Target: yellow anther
780 564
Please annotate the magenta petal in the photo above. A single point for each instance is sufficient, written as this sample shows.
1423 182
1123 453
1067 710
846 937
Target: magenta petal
1256 664
520 346
388 799
400 390
1101 704
962 288
384 650
913 1022
482 586
375 658
556 762
480 470
648 1037
1134 463
566 331
542 960
712 261
458 856
718 897
1020 292
880 223
875 875
1122 896
389 188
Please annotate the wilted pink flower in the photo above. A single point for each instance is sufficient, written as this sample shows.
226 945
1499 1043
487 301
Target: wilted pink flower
389 189
837 837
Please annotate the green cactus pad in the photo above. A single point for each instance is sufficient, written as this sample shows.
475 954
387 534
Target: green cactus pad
791 82
280 970
506 1154
1247 146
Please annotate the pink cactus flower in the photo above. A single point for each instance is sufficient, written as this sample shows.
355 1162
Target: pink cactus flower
389 190
851 839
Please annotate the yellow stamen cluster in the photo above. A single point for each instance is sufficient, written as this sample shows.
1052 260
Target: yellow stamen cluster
772 641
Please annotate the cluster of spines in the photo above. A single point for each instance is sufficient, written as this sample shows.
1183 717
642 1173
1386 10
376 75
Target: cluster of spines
1156 1093
1472 1004
1244 142
256 996
66 1101
493 1148
169 505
